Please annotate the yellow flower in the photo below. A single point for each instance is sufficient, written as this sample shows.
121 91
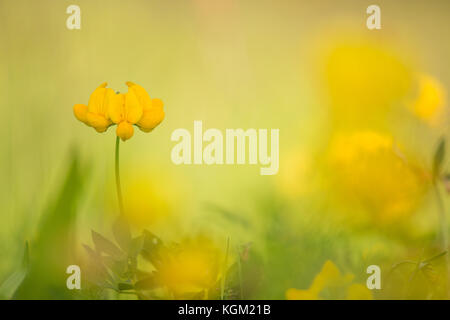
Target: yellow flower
191 267
430 101
95 114
364 80
330 284
369 170
133 108
358 292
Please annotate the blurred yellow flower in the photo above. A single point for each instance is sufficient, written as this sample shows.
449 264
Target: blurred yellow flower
191 267
147 202
331 284
133 108
358 291
295 178
431 100
369 170
364 80
153 198
95 114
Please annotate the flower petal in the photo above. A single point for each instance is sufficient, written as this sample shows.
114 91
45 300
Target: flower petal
80 112
98 122
359 292
116 107
141 94
152 116
328 275
295 294
133 108
157 103
97 101
124 130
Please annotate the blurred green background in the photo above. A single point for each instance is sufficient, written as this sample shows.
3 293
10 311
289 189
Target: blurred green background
231 64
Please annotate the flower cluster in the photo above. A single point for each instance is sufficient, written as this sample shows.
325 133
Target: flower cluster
372 171
106 108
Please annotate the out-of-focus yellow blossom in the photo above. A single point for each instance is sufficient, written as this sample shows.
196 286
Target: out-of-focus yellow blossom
133 108
358 291
294 179
153 198
95 114
431 100
194 266
152 109
331 284
364 80
370 171
147 203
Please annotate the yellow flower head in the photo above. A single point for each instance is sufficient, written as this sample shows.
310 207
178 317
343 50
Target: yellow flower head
369 170
331 284
133 108
364 80
191 267
430 102
95 114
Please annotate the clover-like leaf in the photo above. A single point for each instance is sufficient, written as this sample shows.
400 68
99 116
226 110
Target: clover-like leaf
136 246
98 274
103 245
118 267
125 286
147 283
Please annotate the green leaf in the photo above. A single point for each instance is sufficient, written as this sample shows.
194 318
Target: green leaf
119 267
146 284
103 245
97 273
125 286
438 158
93 256
122 233
151 246
136 246
9 287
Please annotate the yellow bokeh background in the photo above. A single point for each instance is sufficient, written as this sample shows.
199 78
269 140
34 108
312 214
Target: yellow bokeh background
360 114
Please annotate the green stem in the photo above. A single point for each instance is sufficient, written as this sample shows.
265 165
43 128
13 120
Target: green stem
443 231
224 275
118 187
